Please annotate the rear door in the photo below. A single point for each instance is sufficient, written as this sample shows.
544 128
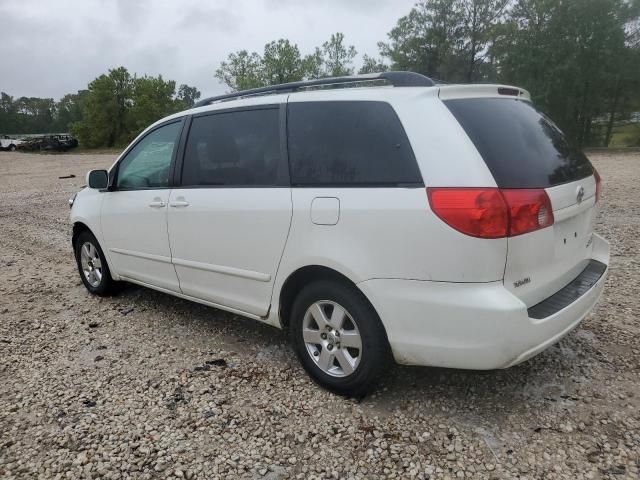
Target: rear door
229 216
523 149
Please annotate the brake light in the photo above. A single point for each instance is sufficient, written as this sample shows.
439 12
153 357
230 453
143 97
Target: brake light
529 210
492 212
479 212
598 184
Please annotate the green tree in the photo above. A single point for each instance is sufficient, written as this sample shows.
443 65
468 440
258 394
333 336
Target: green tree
372 65
69 110
314 64
105 109
151 99
241 71
282 63
428 40
571 55
187 96
337 58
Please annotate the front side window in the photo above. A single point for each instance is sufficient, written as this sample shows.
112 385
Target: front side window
240 148
148 163
349 143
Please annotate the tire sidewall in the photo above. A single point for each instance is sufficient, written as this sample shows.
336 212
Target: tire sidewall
374 341
105 283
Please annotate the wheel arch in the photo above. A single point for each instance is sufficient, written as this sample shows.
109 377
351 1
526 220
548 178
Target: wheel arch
302 277
78 227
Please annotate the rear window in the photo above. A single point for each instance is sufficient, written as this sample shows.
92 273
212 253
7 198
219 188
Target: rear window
521 147
349 144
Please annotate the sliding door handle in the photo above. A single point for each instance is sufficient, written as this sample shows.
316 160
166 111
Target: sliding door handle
179 203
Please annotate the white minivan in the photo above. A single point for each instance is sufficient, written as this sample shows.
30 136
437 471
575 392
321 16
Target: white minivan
443 225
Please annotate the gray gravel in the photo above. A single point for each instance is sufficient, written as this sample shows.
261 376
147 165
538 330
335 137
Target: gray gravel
143 385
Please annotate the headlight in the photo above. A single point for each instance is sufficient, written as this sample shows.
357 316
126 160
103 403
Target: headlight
72 199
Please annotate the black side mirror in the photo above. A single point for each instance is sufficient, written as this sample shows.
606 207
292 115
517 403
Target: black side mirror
98 179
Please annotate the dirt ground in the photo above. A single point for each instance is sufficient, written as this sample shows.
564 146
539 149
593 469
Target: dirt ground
144 385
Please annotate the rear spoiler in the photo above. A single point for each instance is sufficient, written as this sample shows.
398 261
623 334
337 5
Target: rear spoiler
446 92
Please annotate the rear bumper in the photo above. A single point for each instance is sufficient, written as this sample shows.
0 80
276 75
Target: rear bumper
479 326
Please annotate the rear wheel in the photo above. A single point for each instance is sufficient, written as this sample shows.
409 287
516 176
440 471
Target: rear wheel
338 337
92 265
12 148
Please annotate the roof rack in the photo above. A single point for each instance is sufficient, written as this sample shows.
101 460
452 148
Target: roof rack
397 79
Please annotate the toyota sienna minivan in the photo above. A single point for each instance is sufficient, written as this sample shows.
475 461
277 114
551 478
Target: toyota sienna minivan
441 225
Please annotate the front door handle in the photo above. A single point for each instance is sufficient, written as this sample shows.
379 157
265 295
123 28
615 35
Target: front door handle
157 204
179 203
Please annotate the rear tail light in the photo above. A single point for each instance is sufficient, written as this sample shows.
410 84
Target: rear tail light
598 184
529 210
492 212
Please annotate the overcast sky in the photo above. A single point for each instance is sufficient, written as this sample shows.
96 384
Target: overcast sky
49 48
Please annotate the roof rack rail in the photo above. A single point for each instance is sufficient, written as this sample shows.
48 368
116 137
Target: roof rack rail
397 79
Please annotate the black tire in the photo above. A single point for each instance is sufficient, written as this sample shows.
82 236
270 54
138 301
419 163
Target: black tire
12 148
374 354
106 285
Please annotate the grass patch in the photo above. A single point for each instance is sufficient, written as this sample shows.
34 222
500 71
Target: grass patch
625 135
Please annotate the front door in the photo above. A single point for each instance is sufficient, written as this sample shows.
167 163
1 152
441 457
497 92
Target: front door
230 216
134 211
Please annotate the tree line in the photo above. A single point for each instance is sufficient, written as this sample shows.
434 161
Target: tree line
580 59
112 111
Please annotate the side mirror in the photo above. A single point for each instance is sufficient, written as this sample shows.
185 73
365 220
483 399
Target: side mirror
98 179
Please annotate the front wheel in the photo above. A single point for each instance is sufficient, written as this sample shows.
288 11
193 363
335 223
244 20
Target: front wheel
338 337
92 265
12 148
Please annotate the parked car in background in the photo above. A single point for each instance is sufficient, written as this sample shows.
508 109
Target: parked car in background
57 142
8 143
445 225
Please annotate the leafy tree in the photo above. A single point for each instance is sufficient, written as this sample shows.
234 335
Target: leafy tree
480 19
241 71
151 99
313 64
105 109
570 55
187 96
69 110
337 58
372 65
428 40
282 63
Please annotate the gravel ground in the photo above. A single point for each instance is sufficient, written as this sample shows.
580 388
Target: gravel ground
144 385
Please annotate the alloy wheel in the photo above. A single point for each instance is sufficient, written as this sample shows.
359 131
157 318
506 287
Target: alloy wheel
91 264
332 338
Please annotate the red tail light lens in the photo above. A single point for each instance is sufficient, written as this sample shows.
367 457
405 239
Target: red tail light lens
598 184
529 210
492 212
479 212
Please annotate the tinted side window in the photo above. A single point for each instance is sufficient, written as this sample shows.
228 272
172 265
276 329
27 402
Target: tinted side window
349 143
235 148
147 163
521 147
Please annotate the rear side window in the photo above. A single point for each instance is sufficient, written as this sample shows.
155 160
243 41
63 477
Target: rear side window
521 147
240 148
349 144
